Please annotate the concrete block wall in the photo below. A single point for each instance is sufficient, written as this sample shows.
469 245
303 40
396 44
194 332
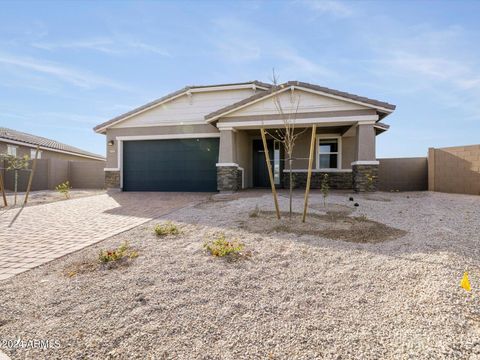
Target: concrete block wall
87 174
403 174
455 169
52 172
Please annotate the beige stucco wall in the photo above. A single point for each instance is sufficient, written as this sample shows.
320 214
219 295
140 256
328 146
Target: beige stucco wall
455 169
227 149
365 143
150 130
244 156
348 151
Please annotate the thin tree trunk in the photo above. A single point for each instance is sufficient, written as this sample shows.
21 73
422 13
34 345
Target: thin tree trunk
291 185
15 192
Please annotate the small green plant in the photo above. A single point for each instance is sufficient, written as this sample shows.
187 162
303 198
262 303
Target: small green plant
255 212
325 189
123 251
370 182
64 188
167 228
222 247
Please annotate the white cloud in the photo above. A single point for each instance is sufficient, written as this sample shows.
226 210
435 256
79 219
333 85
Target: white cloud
107 45
330 7
301 64
73 76
97 44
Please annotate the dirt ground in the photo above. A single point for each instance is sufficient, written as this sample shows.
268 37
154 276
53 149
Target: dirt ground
46 196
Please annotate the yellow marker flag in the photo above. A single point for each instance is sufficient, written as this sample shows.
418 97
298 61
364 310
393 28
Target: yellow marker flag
465 283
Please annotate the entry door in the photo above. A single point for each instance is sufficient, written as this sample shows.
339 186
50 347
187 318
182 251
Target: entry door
260 171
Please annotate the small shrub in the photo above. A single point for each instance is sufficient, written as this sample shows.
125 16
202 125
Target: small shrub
123 251
222 247
362 217
167 228
325 188
64 188
255 212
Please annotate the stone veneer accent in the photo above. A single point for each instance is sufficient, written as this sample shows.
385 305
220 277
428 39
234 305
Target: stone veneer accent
360 180
229 178
112 179
337 179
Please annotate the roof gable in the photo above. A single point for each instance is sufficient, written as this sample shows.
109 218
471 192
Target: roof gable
326 100
185 109
186 91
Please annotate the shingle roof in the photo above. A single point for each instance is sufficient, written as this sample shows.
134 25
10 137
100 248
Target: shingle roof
304 85
172 95
14 135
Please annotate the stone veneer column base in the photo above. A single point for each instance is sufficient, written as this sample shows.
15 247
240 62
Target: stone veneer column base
229 178
112 179
341 180
361 173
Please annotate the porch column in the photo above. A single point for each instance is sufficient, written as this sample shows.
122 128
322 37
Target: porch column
228 173
365 166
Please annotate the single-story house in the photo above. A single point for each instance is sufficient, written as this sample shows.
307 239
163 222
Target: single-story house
19 144
207 138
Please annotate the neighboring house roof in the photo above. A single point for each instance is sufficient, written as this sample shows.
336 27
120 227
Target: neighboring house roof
21 138
173 95
344 95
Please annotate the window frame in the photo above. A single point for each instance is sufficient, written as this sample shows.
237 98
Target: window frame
32 154
15 148
338 152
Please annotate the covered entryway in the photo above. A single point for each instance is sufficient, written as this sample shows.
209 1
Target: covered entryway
170 165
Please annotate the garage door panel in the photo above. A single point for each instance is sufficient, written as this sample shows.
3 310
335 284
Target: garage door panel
170 165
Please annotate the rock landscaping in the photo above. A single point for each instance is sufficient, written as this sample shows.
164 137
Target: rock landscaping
377 281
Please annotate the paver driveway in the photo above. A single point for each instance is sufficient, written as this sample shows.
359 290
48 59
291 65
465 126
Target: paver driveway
39 234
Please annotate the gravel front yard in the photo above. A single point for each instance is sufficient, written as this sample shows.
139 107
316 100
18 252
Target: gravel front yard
297 296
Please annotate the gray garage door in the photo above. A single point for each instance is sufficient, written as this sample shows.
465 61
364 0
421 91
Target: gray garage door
170 165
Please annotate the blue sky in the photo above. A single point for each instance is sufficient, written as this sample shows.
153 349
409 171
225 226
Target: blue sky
67 66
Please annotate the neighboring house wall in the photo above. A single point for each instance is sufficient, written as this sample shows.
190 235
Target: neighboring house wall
45 154
455 169
403 174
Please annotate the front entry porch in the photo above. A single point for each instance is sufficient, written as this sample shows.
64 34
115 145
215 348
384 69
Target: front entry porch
345 153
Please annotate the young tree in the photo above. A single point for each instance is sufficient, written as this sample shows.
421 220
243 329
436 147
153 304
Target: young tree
16 164
287 134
